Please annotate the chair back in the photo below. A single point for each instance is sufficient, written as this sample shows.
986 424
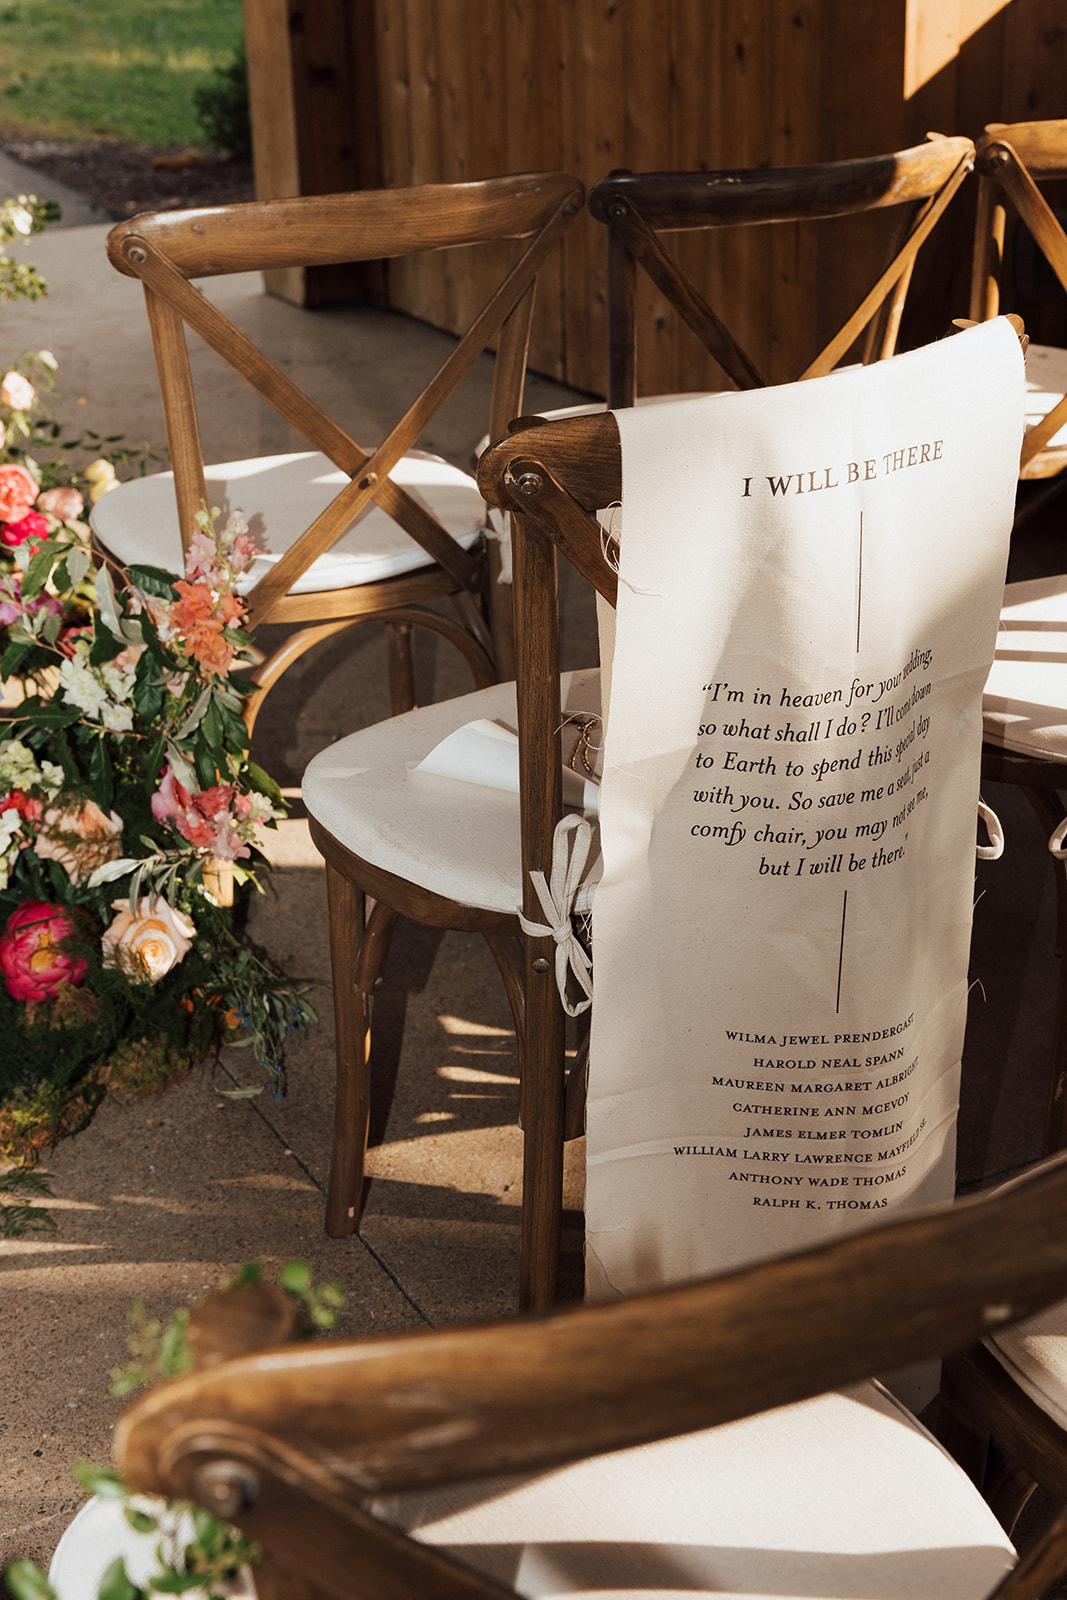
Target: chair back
1013 160
638 209
529 211
292 1443
791 773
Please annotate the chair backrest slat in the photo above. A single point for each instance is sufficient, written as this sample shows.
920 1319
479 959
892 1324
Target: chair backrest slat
1012 158
638 208
165 250
384 1414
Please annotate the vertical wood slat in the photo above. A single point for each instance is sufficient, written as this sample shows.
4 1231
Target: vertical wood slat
459 87
530 105
275 144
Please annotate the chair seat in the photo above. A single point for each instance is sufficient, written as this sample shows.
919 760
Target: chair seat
1024 707
842 1496
456 839
1034 1354
280 496
1046 385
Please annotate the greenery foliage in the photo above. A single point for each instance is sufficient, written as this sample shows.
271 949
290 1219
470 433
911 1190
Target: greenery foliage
129 806
222 106
123 69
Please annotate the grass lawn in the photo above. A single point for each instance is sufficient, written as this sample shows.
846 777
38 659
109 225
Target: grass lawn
125 69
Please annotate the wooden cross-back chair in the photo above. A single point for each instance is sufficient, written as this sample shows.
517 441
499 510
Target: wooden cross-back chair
459 856
638 209
682 1440
355 531
1005 1401
1013 161
1025 707
398 842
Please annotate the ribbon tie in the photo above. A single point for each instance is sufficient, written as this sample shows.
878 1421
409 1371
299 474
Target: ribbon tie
995 848
570 851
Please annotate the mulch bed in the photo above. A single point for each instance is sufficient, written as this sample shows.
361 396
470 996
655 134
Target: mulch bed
124 179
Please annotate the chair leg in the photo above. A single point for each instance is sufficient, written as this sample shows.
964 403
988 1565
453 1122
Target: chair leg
344 1199
1050 812
543 1059
401 667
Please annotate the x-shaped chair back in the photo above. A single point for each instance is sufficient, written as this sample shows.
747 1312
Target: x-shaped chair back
1013 160
638 209
166 250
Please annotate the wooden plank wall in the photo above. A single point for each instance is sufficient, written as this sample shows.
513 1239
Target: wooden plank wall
409 91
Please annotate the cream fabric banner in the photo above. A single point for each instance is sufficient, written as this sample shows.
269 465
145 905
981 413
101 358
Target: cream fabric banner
810 584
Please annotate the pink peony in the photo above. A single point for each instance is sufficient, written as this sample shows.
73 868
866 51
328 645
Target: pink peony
32 960
81 838
65 504
31 526
17 392
149 943
18 491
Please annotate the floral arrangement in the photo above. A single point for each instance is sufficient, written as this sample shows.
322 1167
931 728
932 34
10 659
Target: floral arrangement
129 806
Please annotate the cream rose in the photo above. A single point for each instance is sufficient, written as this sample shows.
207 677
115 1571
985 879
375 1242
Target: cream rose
65 504
17 392
80 838
150 943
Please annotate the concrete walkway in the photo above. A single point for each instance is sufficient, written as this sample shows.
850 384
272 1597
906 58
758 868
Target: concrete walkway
158 1199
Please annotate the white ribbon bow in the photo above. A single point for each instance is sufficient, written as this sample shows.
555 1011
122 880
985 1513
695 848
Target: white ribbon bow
570 850
1056 844
995 829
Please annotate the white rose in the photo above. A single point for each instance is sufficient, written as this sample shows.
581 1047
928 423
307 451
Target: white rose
150 943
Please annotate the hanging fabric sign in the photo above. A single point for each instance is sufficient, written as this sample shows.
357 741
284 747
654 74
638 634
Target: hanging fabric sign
810 581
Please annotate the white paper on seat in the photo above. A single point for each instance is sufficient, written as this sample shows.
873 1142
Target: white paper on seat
487 753
810 583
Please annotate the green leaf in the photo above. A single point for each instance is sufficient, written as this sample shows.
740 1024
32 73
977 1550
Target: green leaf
40 569
111 870
78 563
102 774
296 1277
44 713
139 1521
154 581
206 764
211 725
172 1583
14 656
51 626
181 768
105 647
116 1585
234 726
148 690
195 716
26 1581
263 784
103 1481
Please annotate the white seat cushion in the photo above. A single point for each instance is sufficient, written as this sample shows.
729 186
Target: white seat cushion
844 1496
1046 385
1034 1353
279 497
1024 707
454 838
